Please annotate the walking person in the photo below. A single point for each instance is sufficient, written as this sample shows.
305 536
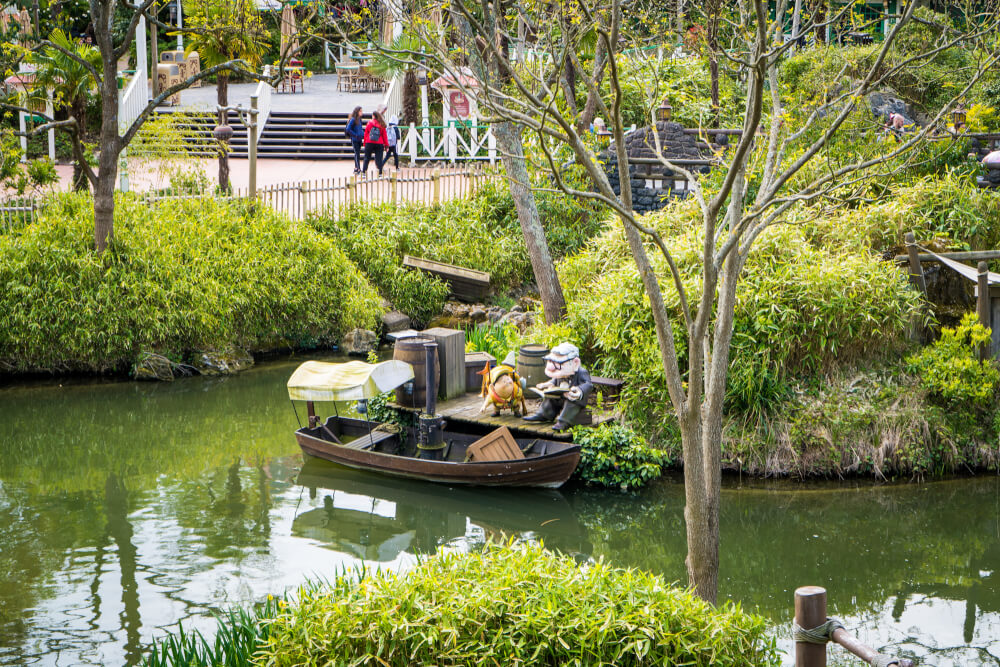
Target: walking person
375 142
355 131
392 136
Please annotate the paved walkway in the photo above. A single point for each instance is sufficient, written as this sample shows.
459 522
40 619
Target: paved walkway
269 172
321 95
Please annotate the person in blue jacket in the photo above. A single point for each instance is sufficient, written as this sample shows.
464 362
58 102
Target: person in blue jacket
356 131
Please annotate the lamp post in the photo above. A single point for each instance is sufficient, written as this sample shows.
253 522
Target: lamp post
424 111
223 132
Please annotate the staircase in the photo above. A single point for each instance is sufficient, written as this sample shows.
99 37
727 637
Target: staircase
288 135
305 136
198 127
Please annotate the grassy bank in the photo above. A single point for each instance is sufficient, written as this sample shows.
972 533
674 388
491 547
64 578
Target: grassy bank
507 605
180 277
824 377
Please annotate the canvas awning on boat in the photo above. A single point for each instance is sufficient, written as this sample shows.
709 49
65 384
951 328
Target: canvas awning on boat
350 381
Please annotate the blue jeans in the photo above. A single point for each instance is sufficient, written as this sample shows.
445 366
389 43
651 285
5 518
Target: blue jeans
356 145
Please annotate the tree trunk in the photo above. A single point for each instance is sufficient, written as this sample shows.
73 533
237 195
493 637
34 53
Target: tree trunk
511 149
107 161
222 96
79 111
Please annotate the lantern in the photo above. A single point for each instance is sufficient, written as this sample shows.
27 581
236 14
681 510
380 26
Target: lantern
958 117
664 111
223 133
422 76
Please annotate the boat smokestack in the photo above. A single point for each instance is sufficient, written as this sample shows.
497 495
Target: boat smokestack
430 349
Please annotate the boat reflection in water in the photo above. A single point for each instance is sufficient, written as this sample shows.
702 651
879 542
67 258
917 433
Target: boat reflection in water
376 518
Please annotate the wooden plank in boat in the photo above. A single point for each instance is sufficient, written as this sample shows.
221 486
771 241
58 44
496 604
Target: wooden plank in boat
369 440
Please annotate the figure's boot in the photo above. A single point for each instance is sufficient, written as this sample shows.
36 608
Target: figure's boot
567 417
546 413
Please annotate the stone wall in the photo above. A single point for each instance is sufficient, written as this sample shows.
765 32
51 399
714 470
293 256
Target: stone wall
654 185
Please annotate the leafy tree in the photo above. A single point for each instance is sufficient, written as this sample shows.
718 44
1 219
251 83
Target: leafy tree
65 69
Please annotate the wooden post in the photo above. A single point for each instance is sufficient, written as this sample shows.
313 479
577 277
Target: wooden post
311 411
352 190
436 181
394 185
810 612
983 305
304 195
916 270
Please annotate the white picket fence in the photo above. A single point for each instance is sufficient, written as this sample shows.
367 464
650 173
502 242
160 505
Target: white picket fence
333 196
453 143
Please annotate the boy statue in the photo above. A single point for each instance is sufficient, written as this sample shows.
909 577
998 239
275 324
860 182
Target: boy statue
566 391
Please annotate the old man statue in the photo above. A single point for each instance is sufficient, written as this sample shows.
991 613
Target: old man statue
566 391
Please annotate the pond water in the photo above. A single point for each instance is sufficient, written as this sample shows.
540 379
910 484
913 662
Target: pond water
127 508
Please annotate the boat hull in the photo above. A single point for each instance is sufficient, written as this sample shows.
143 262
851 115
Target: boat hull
550 469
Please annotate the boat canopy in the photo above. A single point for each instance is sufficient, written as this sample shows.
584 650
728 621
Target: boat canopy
351 381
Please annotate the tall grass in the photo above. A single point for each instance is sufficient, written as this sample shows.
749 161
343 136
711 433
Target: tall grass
240 635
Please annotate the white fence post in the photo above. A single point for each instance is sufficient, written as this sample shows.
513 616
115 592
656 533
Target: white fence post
412 138
491 143
452 143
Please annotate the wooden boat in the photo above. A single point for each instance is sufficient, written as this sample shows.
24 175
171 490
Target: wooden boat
367 445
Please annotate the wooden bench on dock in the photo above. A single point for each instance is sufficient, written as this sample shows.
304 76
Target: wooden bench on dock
466 284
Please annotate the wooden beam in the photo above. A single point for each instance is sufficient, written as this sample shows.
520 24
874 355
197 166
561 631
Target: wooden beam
965 256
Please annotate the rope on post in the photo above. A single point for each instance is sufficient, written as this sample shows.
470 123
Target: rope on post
821 634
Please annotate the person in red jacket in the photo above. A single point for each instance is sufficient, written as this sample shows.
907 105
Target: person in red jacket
376 141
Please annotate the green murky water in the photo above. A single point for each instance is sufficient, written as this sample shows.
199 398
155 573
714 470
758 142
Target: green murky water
127 508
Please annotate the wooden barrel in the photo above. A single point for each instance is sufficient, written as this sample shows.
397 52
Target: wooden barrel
411 350
531 365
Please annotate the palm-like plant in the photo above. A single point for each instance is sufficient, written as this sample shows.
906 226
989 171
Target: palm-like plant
61 69
226 31
395 58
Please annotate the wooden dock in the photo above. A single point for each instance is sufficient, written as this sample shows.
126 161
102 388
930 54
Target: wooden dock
465 408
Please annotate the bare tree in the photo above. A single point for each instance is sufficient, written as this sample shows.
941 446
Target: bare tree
733 215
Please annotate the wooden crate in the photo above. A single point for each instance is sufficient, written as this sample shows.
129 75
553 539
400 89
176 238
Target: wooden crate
497 446
475 362
451 354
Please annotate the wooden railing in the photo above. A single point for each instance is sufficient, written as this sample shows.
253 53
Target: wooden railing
335 195
132 102
263 95
17 212
393 100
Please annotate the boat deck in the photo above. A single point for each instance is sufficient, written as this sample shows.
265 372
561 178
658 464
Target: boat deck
465 408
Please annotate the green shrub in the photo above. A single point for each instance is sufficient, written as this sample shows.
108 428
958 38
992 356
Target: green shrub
497 339
181 276
481 232
801 307
615 456
950 370
512 605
